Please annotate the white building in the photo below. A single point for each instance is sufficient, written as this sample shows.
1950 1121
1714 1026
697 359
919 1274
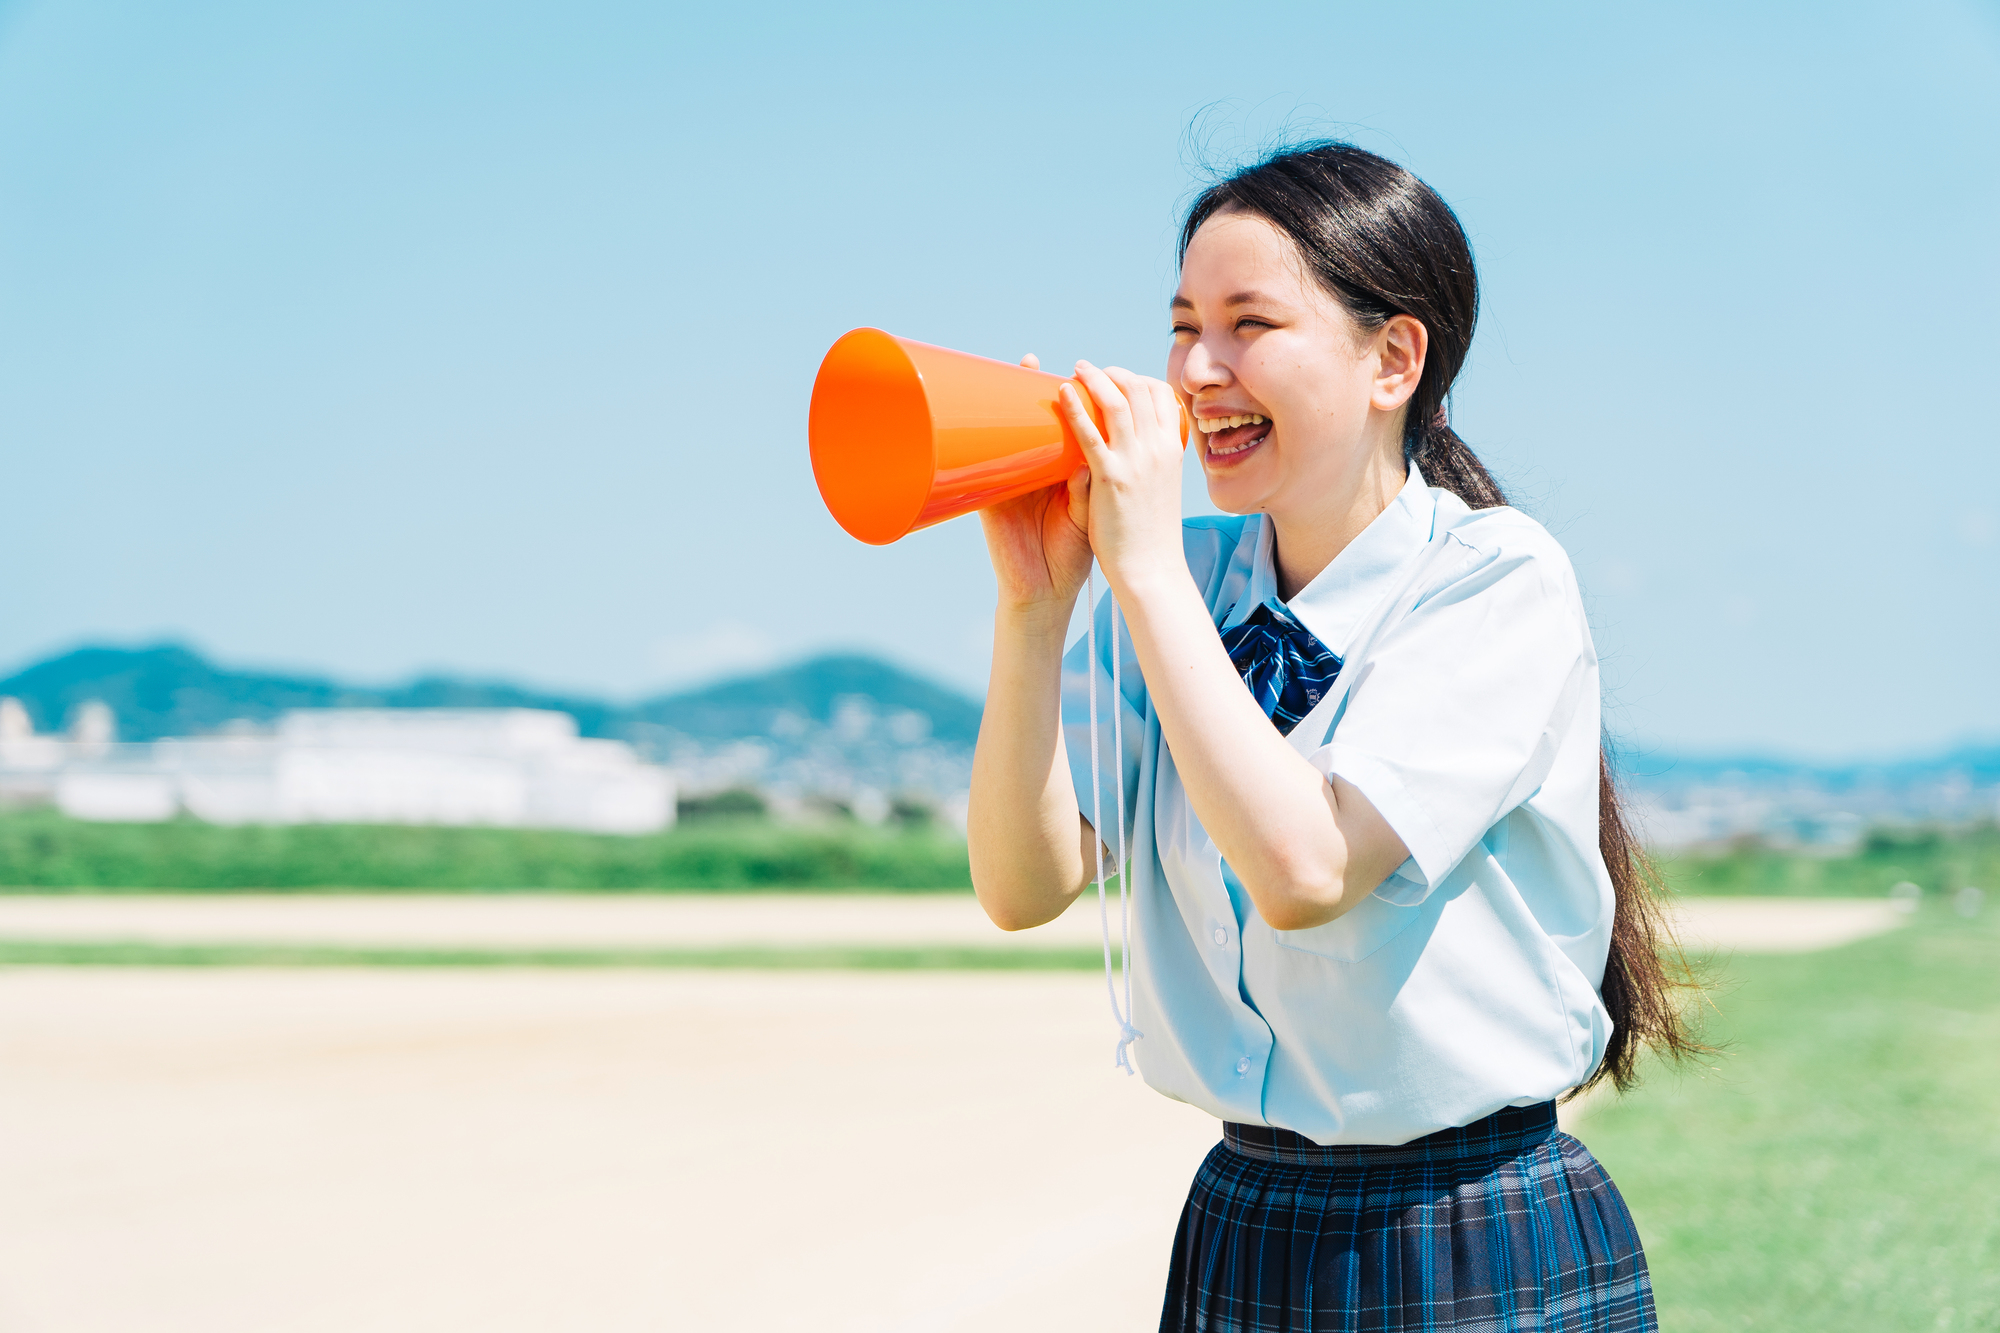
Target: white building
508 767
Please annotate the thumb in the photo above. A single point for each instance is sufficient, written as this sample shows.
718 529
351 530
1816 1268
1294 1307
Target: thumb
1079 500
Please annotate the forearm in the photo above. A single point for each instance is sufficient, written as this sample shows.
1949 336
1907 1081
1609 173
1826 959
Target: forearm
1023 830
1304 848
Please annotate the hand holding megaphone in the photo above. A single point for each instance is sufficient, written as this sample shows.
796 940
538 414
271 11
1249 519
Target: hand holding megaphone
905 435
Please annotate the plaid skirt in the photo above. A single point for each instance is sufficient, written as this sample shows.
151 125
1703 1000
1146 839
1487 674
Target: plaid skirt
1504 1224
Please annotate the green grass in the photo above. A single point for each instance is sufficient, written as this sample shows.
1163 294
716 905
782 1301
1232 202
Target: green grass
1934 860
892 958
42 851
1837 1164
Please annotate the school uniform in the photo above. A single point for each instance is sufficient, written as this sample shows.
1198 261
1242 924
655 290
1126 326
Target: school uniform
1390 1157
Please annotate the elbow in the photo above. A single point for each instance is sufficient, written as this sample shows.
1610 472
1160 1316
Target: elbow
1301 916
1013 908
1300 902
1011 917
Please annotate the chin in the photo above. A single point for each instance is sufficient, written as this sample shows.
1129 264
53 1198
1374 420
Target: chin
1232 496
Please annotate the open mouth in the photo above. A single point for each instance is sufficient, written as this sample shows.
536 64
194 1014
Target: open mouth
1228 437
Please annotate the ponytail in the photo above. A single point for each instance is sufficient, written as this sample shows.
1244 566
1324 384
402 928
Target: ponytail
1445 460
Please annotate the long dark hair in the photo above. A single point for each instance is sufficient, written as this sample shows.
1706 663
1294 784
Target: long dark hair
1384 244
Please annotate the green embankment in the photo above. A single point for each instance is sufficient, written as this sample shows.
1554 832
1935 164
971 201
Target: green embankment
1934 860
1836 1166
835 957
41 851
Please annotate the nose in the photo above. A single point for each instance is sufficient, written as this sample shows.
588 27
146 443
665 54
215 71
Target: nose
1201 369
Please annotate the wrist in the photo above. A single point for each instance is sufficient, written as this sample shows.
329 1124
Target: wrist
1148 579
1036 618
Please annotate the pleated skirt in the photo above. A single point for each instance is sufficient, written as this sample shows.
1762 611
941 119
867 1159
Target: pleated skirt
1503 1224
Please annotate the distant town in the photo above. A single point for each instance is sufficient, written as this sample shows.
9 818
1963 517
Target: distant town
161 733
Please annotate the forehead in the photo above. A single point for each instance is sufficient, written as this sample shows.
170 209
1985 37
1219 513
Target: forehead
1240 254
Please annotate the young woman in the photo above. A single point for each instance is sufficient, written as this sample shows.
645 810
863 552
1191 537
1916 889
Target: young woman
1385 907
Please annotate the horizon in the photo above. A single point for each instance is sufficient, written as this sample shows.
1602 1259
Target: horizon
1633 762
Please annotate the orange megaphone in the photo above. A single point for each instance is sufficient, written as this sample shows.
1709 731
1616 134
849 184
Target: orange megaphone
905 434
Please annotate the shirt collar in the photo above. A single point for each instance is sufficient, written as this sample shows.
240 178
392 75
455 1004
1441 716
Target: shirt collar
1332 605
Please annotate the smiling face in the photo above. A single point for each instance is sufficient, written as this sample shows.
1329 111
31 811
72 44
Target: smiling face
1295 405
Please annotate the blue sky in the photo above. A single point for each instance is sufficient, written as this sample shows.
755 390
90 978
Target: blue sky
381 337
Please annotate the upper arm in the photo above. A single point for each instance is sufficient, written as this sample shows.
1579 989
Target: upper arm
1374 848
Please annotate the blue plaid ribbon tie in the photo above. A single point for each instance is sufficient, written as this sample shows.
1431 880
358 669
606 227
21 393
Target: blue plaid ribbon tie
1287 669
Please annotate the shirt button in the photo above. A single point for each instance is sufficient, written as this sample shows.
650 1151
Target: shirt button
1243 1065
1221 935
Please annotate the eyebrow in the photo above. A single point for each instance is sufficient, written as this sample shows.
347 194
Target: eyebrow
1241 298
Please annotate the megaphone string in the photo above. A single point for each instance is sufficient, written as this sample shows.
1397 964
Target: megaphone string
1127 1034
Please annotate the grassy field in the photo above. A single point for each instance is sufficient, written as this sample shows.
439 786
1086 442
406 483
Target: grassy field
1837 1164
840 957
1934 860
41 851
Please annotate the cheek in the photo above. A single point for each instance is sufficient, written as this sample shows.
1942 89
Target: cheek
1276 379
1306 381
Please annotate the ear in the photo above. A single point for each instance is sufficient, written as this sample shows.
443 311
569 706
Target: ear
1400 347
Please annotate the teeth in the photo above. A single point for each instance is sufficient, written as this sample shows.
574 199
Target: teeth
1210 425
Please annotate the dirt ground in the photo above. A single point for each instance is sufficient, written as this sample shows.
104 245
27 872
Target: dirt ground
236 1149
208 1150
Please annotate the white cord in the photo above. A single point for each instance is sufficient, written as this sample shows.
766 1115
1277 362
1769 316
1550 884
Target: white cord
1127 1034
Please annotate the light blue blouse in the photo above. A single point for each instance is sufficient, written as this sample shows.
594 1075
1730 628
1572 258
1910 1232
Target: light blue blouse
1468 980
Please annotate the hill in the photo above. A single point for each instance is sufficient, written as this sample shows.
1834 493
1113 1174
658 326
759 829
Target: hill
750 705
170 690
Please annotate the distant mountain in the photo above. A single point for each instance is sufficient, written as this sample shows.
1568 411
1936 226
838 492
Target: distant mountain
170 690
1976 763
751 705
796 713
1694 800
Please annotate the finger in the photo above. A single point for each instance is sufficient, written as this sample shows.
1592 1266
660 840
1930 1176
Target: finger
1110 398
1136 391
1070 403
1168 409
1031 361
1143 393
1167 404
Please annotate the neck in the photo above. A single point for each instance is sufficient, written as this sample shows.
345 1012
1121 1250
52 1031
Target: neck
1305 538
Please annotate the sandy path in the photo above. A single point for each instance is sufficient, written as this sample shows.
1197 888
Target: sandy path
1781 925
329 1150
718 920
240 1149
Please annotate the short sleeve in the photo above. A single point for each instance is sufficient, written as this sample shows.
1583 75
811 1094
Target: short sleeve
1456 715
